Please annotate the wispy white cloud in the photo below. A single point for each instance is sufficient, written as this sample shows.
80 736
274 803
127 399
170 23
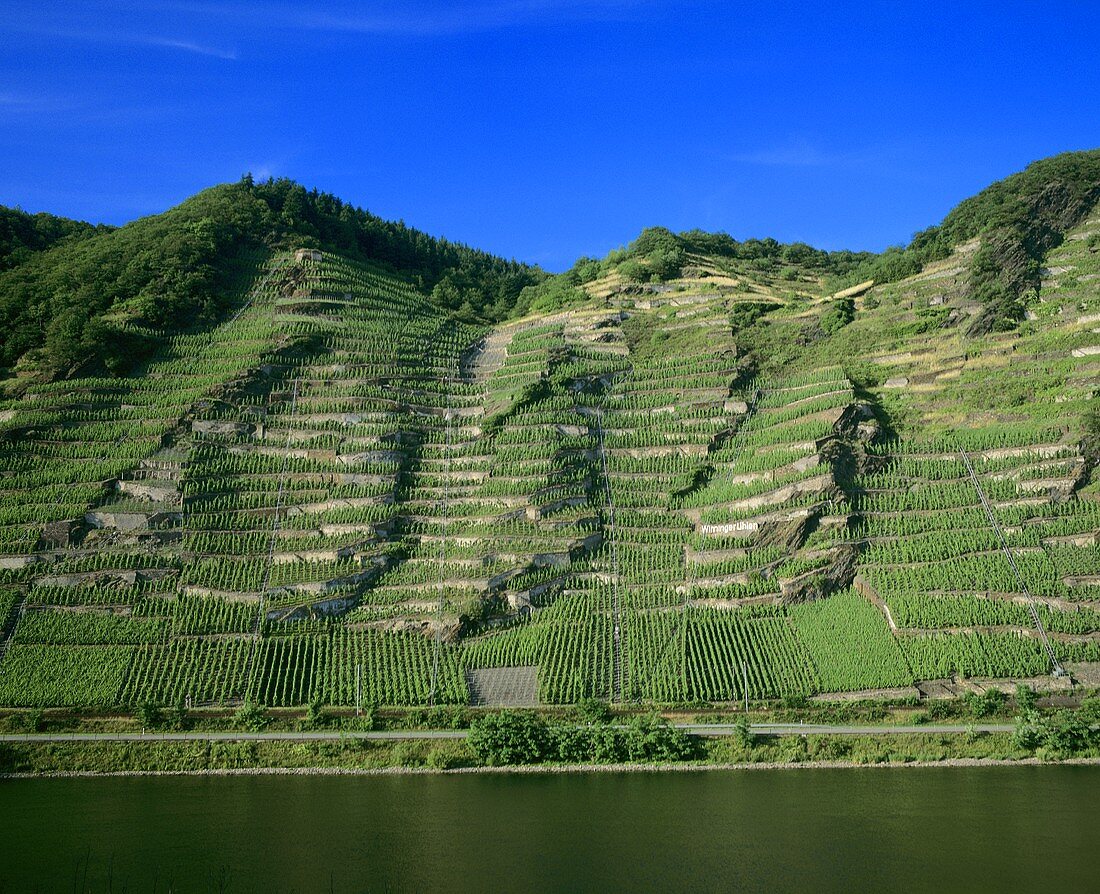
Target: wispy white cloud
416 19
59 111
275 161
458 19
24 103
186 45
127 38
877 158
265 169
794 156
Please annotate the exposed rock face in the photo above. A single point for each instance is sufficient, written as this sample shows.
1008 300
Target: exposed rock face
149 491
220 427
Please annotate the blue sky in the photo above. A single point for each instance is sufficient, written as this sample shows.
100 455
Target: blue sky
545 130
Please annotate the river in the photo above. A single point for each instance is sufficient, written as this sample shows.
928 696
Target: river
935 830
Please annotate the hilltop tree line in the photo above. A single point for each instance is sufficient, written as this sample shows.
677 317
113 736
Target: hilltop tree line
23 234
1018 220
75 296
473 283
71 293
659 254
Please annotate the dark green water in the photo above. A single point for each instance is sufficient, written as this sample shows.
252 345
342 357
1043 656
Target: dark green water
936 830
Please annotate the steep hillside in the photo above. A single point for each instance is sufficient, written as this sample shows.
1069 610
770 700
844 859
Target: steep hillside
100 301
1012 224
695 470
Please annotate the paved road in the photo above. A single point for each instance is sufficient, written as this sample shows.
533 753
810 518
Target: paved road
800 729
698 729
215 736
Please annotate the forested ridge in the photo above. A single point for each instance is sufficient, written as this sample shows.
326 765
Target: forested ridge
76 294
1017 219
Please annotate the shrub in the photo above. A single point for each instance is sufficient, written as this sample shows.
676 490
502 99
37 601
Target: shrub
448 717
509 737
633 270
446 756
315 716
1090 439
795 749
607 745
521 737
666 264
570 744
150 715
251 716
652 739
177 717
1025 698
550 295
1068 733
1061 735
988 703
1029 732
743 734
745 313
593 710
839 314
366 719
832 748
408 754
1090 710
940 709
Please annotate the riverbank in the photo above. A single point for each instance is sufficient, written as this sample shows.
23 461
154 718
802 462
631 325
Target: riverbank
217 757
592 735
545 769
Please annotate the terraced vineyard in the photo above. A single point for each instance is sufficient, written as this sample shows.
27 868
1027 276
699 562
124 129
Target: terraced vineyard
689 491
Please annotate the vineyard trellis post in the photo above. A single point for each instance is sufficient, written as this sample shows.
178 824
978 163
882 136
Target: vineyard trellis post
679 632
257 632
757 396
444 509
1056 665
277 521
616 615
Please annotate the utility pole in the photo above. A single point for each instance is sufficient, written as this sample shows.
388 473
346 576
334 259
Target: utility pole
358 689
745 684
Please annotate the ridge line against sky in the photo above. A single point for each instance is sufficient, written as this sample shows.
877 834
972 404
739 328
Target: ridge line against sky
547 130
